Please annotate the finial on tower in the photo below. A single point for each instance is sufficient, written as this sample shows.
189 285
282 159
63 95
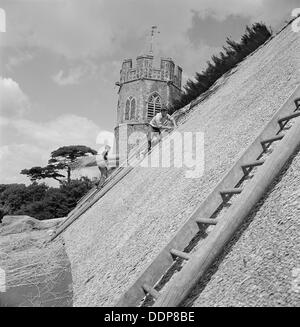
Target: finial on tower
153 30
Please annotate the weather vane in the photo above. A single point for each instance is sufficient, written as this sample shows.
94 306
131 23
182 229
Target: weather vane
153 30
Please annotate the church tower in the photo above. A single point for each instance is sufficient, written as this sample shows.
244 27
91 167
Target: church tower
143 89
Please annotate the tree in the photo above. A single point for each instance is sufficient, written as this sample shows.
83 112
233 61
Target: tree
14 196
235 52
41 201
65 156
50 171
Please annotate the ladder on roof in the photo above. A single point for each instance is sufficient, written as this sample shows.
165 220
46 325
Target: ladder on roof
243 186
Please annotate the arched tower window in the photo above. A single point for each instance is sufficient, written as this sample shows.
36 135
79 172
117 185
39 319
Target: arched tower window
154 105
130 108
127 109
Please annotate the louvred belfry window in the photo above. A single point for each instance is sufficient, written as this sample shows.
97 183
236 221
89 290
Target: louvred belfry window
154 105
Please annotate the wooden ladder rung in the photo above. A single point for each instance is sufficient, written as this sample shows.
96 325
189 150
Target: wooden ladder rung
285 119
226 193
265 143
151 290
207 221
180 254
251 165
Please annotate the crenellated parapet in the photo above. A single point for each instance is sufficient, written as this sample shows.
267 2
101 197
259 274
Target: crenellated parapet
144 69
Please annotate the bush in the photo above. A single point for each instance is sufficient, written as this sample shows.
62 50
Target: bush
235 52
41 201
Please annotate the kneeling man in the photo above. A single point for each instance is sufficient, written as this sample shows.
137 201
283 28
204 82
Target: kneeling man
158 124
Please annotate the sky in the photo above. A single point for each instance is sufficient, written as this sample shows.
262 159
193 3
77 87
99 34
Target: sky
60 59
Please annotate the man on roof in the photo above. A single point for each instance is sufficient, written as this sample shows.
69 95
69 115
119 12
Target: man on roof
158 124
102 163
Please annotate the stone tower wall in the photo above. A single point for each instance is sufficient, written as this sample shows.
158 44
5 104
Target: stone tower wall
139 82
141 91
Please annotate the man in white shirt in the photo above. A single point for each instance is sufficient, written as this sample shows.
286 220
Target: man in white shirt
102 163
159 123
